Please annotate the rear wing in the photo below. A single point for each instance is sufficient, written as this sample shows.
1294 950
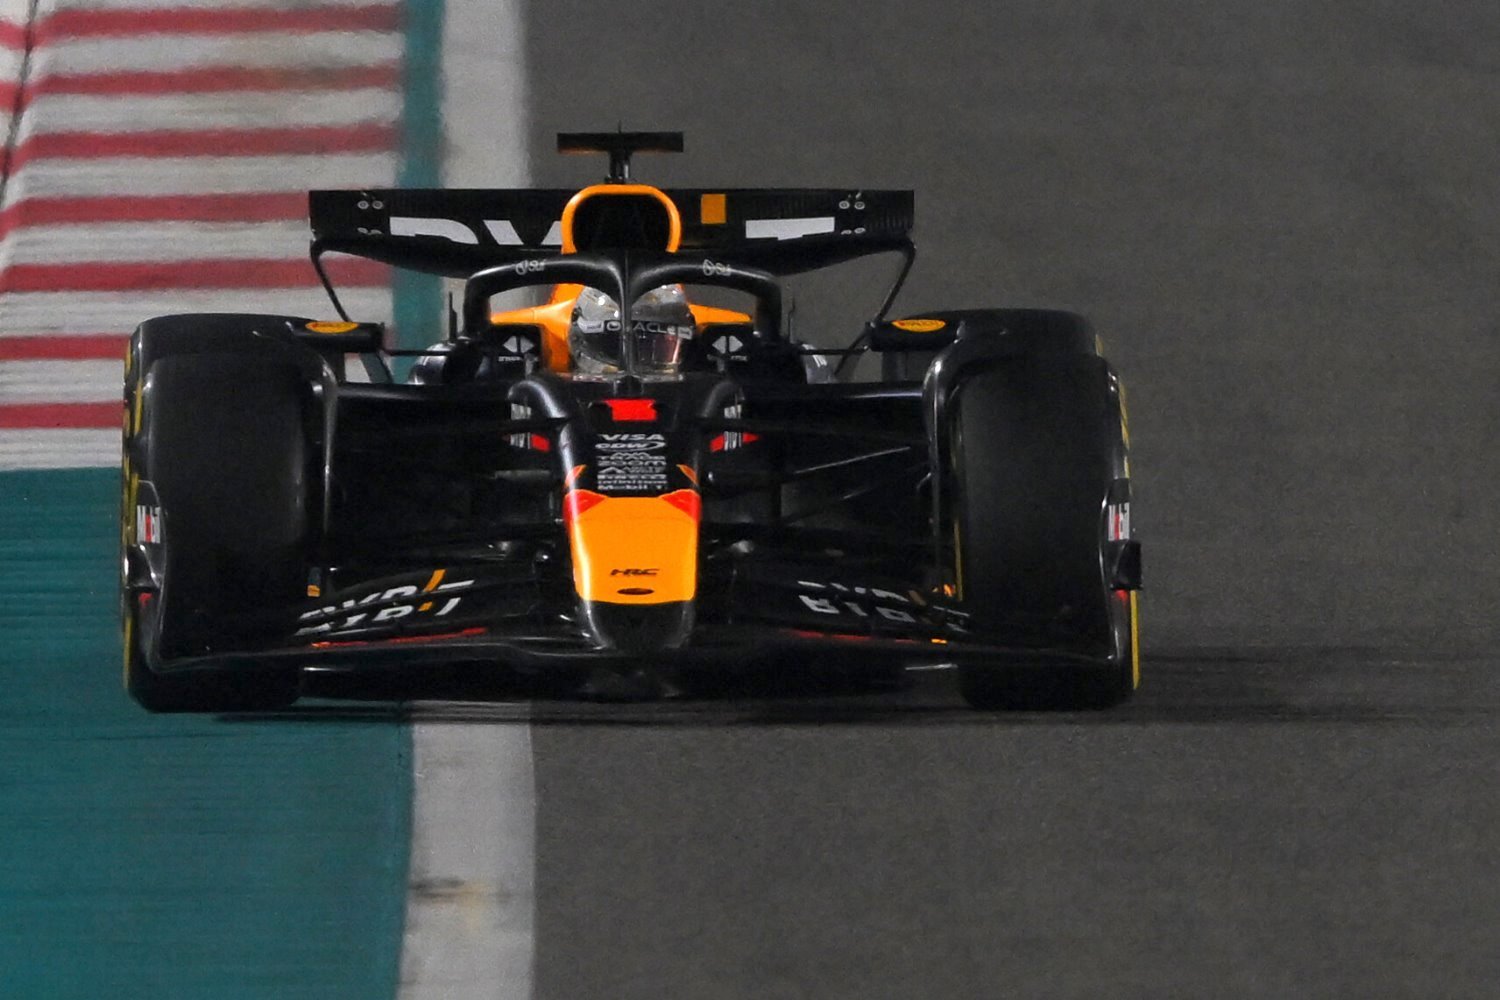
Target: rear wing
458 232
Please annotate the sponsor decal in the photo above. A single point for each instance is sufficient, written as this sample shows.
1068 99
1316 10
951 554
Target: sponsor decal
520 346
319 326
728 344
680 331
523 440
827 606
631 442
147 524
501 231
1117 518
789 229
382 607
634 572
443 229
918 325
730 440
860 602
631 463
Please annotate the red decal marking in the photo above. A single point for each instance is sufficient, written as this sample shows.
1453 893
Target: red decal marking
165 20
93 347
687 501
540 442
717 444
623 410
89 276
366 137
575 502
401 640
748 436
803 633
40 416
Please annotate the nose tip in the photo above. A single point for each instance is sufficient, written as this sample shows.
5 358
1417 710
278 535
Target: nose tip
640 629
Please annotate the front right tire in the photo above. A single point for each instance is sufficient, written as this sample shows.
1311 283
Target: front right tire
1038 444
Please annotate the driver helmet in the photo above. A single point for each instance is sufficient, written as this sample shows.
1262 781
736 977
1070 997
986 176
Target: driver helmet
661 323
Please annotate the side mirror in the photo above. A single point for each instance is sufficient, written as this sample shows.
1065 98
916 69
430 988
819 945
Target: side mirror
913 334
341 338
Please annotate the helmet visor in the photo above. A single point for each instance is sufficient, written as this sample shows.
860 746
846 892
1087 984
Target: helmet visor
660 323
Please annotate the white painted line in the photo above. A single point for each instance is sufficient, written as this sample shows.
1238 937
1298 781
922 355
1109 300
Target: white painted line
120 312
60 381
470 896
200 175
158 241
474 814
158 53
58 449
193 4
124 114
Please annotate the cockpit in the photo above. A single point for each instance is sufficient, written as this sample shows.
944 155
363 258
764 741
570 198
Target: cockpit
583 329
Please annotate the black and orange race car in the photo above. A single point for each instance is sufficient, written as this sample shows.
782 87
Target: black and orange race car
618 475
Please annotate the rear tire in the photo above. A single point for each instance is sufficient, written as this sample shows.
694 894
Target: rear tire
1037 445
222 438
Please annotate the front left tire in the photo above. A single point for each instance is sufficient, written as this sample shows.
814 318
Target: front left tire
222 439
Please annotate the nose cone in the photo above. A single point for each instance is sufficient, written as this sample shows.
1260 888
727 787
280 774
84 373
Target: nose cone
640 629
635 567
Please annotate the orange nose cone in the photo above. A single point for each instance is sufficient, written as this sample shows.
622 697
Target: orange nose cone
633 550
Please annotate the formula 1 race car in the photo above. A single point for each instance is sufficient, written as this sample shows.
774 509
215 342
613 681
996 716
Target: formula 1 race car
633 482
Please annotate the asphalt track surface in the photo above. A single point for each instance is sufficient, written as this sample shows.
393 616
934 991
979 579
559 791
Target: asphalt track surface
1274 824
1282 218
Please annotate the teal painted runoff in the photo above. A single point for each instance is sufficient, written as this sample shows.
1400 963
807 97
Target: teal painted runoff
417 300
173 857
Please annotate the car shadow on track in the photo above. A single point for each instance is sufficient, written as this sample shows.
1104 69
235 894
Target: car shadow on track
1186 686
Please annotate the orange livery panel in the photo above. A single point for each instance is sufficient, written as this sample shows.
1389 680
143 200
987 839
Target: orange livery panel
633 550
